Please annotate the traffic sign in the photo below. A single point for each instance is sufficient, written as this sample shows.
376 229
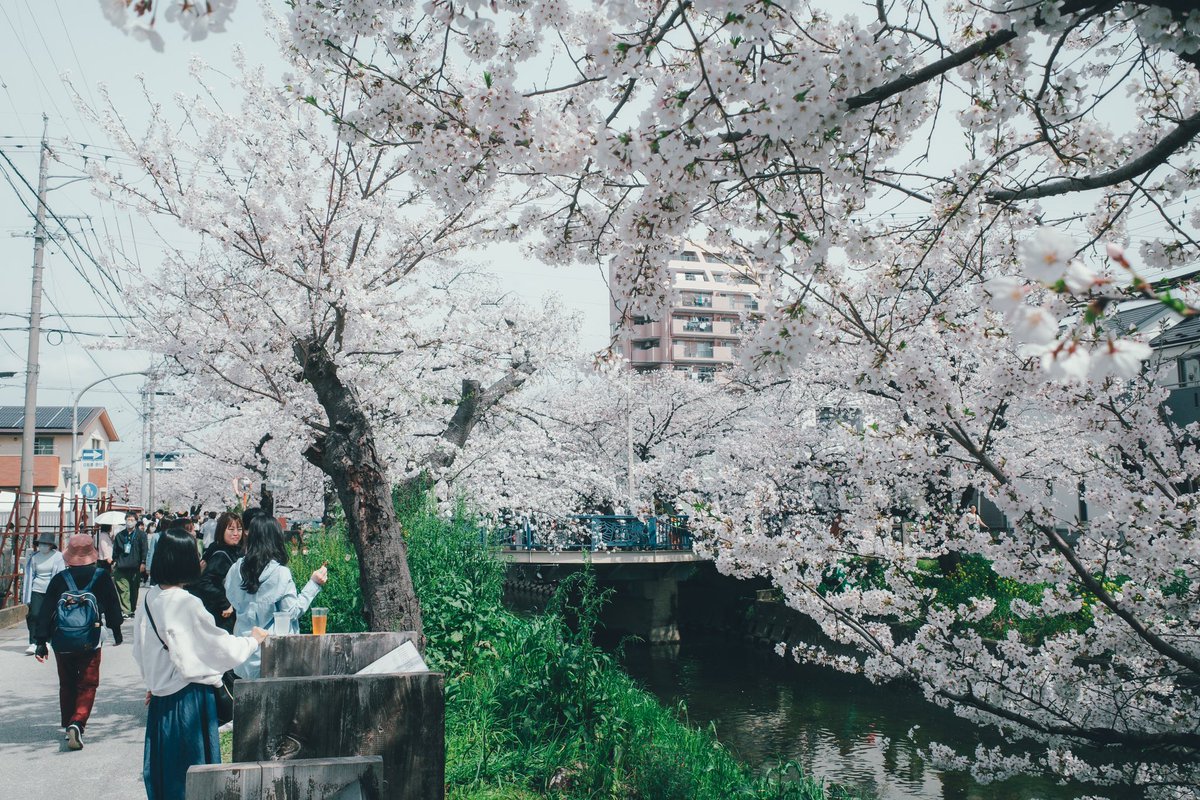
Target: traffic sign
92 457
90 491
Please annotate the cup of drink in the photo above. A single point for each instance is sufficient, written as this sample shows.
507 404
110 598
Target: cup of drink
319 615
283 624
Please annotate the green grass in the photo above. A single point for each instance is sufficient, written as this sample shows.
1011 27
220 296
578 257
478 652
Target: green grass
533 707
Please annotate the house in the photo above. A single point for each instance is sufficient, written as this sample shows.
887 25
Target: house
1181 345
52 447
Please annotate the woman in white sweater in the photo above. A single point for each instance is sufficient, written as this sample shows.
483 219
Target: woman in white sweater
182 655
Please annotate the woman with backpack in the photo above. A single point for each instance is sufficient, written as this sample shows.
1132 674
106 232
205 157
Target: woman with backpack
40 567
218 558
70 621
182 655
260 584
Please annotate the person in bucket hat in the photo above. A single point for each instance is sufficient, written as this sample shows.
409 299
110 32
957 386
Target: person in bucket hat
78 669
42 564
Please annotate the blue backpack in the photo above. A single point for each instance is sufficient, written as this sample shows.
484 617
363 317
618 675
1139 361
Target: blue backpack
77 618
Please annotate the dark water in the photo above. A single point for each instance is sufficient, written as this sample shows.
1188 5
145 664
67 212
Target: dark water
841 728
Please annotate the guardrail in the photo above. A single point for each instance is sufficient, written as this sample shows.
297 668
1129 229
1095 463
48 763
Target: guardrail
597 532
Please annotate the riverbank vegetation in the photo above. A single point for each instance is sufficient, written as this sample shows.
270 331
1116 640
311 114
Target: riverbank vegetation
533 707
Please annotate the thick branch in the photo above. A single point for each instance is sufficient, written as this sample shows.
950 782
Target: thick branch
1155 156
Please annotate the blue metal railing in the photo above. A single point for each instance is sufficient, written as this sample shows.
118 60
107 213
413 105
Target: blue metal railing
597 532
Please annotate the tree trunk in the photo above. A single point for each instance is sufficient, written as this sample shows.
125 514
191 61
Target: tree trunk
346 453
329 500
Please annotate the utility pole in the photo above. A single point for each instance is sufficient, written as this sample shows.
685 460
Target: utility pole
35 334
142 469
153 466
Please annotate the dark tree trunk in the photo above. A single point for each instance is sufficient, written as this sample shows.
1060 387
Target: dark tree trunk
266 500
328 502
346 453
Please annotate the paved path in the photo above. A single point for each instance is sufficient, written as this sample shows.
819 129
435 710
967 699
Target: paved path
34 760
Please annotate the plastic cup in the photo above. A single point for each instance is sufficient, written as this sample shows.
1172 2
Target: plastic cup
319 616
283 624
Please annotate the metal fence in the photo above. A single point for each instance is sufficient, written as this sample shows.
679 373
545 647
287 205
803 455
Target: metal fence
27 516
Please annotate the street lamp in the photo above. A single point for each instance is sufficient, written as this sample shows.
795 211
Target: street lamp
75 423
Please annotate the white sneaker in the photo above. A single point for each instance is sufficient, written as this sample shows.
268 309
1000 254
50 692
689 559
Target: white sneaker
31 649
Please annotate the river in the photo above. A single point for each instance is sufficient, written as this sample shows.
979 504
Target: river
841 728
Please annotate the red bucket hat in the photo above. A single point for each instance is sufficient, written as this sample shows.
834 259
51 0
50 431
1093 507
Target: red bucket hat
80 551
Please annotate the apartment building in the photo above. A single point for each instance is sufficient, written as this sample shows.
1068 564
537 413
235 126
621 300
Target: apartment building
700 332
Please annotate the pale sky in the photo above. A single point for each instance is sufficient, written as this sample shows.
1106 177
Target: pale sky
45 38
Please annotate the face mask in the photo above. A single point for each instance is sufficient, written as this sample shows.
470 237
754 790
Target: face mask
43 548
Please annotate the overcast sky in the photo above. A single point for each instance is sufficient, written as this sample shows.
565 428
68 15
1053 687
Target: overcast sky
44 39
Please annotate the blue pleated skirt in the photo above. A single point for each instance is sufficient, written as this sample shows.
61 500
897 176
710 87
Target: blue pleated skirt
181 730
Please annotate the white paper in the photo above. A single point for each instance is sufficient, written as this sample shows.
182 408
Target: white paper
404 658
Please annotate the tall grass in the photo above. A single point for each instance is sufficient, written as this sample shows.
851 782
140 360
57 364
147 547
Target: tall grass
533 707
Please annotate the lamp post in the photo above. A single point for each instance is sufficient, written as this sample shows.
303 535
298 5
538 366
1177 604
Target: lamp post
75 423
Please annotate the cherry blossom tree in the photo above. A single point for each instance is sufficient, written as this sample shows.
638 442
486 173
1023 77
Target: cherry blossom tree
890 167
324 304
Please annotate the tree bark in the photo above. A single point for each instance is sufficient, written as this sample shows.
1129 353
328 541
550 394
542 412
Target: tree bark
346 453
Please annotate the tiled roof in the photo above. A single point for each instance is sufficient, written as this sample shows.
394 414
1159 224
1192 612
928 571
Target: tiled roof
1183 333
49 418
1134 318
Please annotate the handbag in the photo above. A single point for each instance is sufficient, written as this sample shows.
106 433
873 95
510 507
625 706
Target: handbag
221 694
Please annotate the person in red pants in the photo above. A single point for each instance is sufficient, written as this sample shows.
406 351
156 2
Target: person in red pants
77 657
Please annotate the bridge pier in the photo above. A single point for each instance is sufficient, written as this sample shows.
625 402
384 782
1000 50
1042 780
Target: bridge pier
648 609
644 597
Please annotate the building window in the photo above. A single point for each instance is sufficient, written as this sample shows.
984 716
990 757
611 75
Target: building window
640 320
698 350
692 277
706 374
43 445
648 344
697 324
688 255
1189 371
698 300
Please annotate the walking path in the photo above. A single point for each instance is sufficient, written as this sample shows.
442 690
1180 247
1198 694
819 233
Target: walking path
34 760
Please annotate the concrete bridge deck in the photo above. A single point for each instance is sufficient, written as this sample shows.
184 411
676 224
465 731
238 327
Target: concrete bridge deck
598 557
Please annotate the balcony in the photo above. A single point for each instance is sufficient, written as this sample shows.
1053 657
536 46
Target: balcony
646 330
720 327
733 304
687 351
655 355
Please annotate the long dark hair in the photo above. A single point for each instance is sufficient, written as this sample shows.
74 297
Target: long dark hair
176 561
264 546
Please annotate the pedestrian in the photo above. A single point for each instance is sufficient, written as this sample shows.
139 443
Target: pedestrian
181 655
129 564
104 547
208 529
42 564
259 584
218 558
151 541
70 620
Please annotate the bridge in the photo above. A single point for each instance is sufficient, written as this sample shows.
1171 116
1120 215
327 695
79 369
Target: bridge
643 560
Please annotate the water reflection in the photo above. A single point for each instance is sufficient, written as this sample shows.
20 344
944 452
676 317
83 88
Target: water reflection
841 728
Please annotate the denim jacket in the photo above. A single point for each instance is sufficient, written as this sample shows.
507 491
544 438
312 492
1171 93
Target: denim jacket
276 592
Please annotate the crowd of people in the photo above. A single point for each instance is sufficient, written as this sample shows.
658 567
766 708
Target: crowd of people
216 590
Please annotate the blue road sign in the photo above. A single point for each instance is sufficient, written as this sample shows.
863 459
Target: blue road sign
90 491
92 457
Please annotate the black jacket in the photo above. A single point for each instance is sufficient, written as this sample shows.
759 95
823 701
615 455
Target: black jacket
210 587
136 557
106 597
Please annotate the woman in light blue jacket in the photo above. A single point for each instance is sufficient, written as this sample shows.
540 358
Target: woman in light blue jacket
259 585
